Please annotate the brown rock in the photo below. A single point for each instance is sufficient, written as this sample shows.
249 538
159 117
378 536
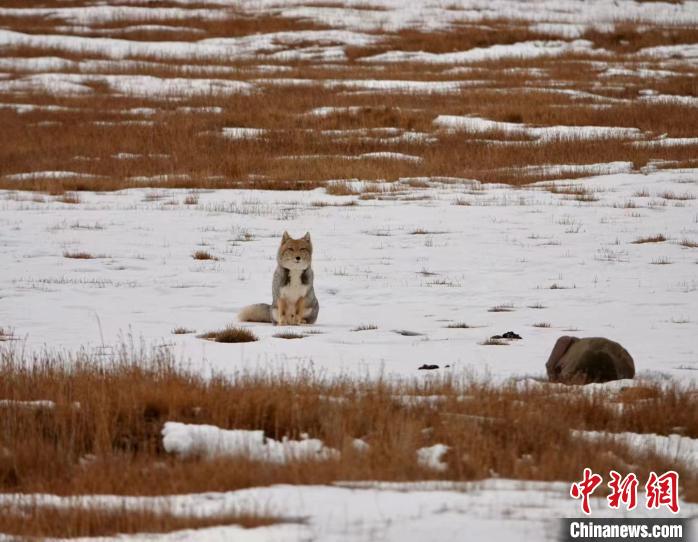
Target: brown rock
593 359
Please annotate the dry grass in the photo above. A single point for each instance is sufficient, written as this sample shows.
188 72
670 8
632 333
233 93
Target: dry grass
230 334
542 324
199 157
494 342
48 522
464 37
69 197
576 192
629 37
182 331
289 335
365 327
501 308
111 443
458 325
677 197
180 141
688 243
659 238
556 286
203 255
80 255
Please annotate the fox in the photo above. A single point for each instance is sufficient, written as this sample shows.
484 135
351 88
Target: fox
293 296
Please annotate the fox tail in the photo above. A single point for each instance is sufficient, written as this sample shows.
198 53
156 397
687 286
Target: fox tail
260 312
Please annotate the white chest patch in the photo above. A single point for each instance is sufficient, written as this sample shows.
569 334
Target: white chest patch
295 289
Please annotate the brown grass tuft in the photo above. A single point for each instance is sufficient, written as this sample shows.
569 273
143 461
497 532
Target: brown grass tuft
203 255
501 308
70 198
365 327
289 335
79 255
659 238
678 197
494 342
230 334
182 331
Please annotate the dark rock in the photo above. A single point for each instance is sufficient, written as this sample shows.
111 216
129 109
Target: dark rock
593 359
426 367
407 333
507 335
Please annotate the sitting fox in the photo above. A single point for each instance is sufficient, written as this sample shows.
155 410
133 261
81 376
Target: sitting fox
293 296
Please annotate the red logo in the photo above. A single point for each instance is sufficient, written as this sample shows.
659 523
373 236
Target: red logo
585 488
659 490
623 490
663 491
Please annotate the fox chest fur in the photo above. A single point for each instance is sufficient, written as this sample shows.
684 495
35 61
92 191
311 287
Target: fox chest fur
295 285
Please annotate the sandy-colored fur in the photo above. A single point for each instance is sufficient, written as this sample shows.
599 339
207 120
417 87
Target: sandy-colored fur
293 296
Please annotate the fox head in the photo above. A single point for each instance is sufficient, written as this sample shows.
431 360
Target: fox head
295 253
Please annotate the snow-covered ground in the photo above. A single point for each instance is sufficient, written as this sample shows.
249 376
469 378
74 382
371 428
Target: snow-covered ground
409 265
497 510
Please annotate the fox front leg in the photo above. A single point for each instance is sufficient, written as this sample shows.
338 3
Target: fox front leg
300 312
281 310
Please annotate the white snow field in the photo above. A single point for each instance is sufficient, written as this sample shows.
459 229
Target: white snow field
493 257
497 510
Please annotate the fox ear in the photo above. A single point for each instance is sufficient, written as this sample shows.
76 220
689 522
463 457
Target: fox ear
285 237
307 236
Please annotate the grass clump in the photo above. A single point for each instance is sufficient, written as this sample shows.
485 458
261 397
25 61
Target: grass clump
204 255
79 255
180 330
659 238
365 327
494 342
501 308
230 334
290 335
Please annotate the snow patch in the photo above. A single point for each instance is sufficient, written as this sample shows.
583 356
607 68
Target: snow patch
32 405
430 457
480 125
187 439
527 49
243 133
673 447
